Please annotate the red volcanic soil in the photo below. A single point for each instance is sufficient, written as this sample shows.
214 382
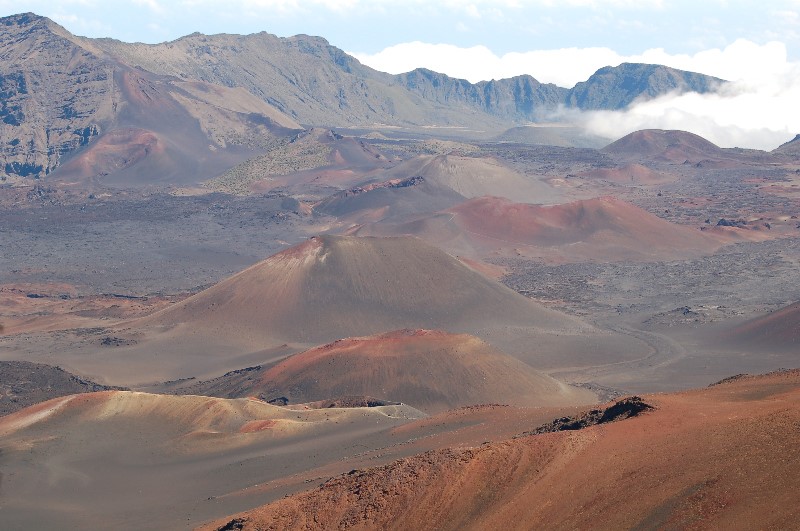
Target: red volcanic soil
430 370
671 146
779 330
114 151
26 307
725 457
629 174
599 229
331 287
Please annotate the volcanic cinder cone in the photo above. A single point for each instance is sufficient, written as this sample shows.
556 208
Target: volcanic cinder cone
429 369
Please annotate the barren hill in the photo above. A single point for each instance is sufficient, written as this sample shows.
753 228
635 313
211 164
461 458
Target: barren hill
303 76
206 98
515 99
605 229
673 146
430 183
428 369
724 457
331 287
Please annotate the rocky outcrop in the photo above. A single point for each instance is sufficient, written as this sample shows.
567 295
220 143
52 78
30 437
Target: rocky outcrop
620 410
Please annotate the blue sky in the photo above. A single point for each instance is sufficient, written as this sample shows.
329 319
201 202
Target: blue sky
756 43
368 26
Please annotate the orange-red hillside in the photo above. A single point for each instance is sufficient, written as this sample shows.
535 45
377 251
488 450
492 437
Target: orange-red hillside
430 370
720 458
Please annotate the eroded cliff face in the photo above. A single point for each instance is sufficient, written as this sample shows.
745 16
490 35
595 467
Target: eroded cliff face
55 95
65 103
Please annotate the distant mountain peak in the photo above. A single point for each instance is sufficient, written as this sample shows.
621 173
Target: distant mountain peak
616 87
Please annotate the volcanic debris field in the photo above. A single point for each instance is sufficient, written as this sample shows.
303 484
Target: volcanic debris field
217 311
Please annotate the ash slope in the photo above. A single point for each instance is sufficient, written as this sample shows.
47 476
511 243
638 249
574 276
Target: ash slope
123 460
332 287
680 466
779 330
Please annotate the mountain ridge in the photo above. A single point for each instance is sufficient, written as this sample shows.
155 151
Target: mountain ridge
62 92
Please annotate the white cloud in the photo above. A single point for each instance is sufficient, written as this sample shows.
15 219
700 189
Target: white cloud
758 109
759 112
740 60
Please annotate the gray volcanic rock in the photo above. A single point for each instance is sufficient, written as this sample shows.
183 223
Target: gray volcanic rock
62 97
517 98
305 77
23 384
617 87
54 95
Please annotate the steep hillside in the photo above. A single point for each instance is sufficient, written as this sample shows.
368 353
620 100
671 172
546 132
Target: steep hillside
303 76
718 458
516 99
43 118
202 104
67 105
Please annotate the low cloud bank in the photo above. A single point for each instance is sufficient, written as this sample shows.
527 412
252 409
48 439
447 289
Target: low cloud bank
757 109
